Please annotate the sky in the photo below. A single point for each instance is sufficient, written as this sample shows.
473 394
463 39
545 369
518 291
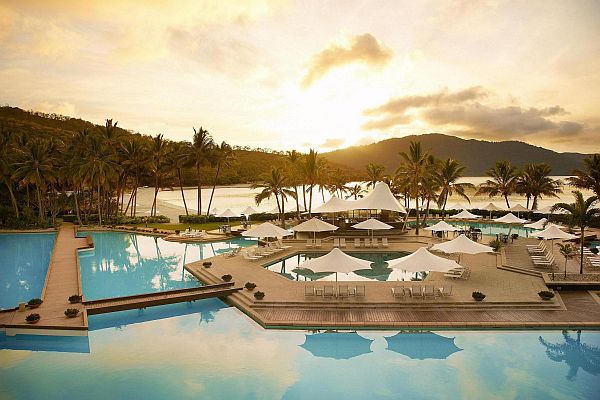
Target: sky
321 74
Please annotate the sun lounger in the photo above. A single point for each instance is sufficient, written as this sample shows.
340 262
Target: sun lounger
251 257
318 243
357 242
328 291
336 242
398 292
283 246
309 290
375 242
429 291
384 242
233 252
343 291
445 290
360 291
367 242
342 242
416 291
454 274
544 263
309 243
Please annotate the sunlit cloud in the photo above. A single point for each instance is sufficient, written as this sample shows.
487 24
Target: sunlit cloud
332 143
365 49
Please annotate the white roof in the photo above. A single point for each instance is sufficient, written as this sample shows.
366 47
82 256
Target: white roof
350 277
552 232
492 207
214 211
228 214
510 218
464 214
335 261
442 226
423 260
373 224
249 211
314 225
518 208
539 224
266 229
335 204
381 198
462 244
546 210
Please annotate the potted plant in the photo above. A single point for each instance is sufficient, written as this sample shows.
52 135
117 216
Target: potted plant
259 295
177 231
206 264
226 277
71 312
250 286
32 318
478 296
154 230
495 244
76 298
546 294
34 303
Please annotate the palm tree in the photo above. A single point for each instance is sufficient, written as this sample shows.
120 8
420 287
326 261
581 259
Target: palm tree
374 174
503 182
535 182
7 153
176 162
575 354
590 177
223 156
311 168
135 164
583 211
293 159
158 153
414 167
429 186
198 156
568 251
274 184
338 182
446 175
356 191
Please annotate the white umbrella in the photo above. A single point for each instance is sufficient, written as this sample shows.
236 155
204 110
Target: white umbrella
381 198
539 224
552 232
548 210
265 230
335 204
228 214
441 226
457 206
462 244
464 214
335 261
314 225
518 208
275 210
349 277
214 211
491 207
510 218
372 224
420 260
249 211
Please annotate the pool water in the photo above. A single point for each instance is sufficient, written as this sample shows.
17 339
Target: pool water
123 264
490 228
210 351
288 267
24 259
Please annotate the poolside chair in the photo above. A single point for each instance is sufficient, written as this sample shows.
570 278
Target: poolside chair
446 290
384 242
283 246
367 242
318 243
343 242
328 291
544 263
359 291
429 291
357 242
336 242
416 291
309 243
272 247
398 292
309 290
375 242
343 291
250 257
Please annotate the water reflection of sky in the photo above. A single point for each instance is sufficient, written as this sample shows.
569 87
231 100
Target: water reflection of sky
217 353
123 264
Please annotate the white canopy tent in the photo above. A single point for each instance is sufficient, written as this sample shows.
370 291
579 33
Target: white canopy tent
518 208
314 225
249 211
420 260
442 226
266 230
228 214
464 214
346 277
491 207
539 224
335 204
381 198
510 218
548 210
371 225
457 206
335 261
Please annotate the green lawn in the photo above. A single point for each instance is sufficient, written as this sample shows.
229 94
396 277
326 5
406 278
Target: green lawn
208 226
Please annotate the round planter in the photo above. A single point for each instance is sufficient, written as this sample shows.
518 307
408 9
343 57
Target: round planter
72 315
35 321
207 264
478 298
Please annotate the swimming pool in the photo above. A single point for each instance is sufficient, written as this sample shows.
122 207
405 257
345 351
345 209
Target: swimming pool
210 351
288 267
490 228
124 264
23 265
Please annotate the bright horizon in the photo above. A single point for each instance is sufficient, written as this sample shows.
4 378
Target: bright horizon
284 75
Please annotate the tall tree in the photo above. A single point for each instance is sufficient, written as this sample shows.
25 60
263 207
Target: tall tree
223 157
446 175
589 177
293 159
375 173
159 150
200 149
413 168
7 153
502 183
535 182
274 184
311 167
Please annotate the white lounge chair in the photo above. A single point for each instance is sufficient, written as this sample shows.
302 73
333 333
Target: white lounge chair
357 242
328 291
283 246
384 242
446 290
342 242
375 242
336 242
360 291
429 291
309 243
367 243
416 291
343 291
398 292
250 257
309 290
318 243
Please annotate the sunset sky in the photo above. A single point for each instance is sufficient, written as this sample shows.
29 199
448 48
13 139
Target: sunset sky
325 74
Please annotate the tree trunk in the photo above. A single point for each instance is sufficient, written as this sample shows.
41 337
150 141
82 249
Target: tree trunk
426 212
534 205
282 212
99 207
278 206
213 188
304 196
13 200
181 187
297 201
581 254
506 198
417 210
310 200
199 190
39 196
77 207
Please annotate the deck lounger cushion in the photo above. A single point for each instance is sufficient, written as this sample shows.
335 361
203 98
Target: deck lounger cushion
375 242
360 291
342 242
429 291
343 291
416 291
309 243
328 291
384 242
398 291
318 243
309 290
367 243
357 242
336 242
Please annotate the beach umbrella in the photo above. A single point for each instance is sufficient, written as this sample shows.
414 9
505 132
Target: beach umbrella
421 260
518 208
337 345
249 211
380 198
335 261
464 214
214 211
462 245
441 226
510 218
548 210
228 214
333 205
539 224
371 225
491 207
314 225
457 206
553 232
422 345
266 230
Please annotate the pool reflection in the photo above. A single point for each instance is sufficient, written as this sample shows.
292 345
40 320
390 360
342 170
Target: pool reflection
575 353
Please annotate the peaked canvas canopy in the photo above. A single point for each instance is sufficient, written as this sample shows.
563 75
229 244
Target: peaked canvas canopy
457 206
518 208
228 214
249 211
335 261
372 224
422 260
510 218
464 214
314 225
348 277
552 232
539 224
462 244
548 210
335 204
381 198
492 207
442 226
266 229
214 211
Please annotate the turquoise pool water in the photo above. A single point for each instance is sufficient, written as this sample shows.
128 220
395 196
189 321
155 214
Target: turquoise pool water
490 228
288 267
209 351
124 264
24 259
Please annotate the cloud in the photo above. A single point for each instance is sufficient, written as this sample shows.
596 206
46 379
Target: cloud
363 48
332 143
387 122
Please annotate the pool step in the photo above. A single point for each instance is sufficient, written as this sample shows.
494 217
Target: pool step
520 270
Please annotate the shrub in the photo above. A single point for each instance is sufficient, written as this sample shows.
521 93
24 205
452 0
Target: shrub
546 294
478 296
495 244
31 318
71 312
75 298
206 264
250 286
226 277
594 250
259 295
34 303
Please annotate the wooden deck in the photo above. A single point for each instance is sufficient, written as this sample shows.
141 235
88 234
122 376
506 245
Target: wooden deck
157 299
